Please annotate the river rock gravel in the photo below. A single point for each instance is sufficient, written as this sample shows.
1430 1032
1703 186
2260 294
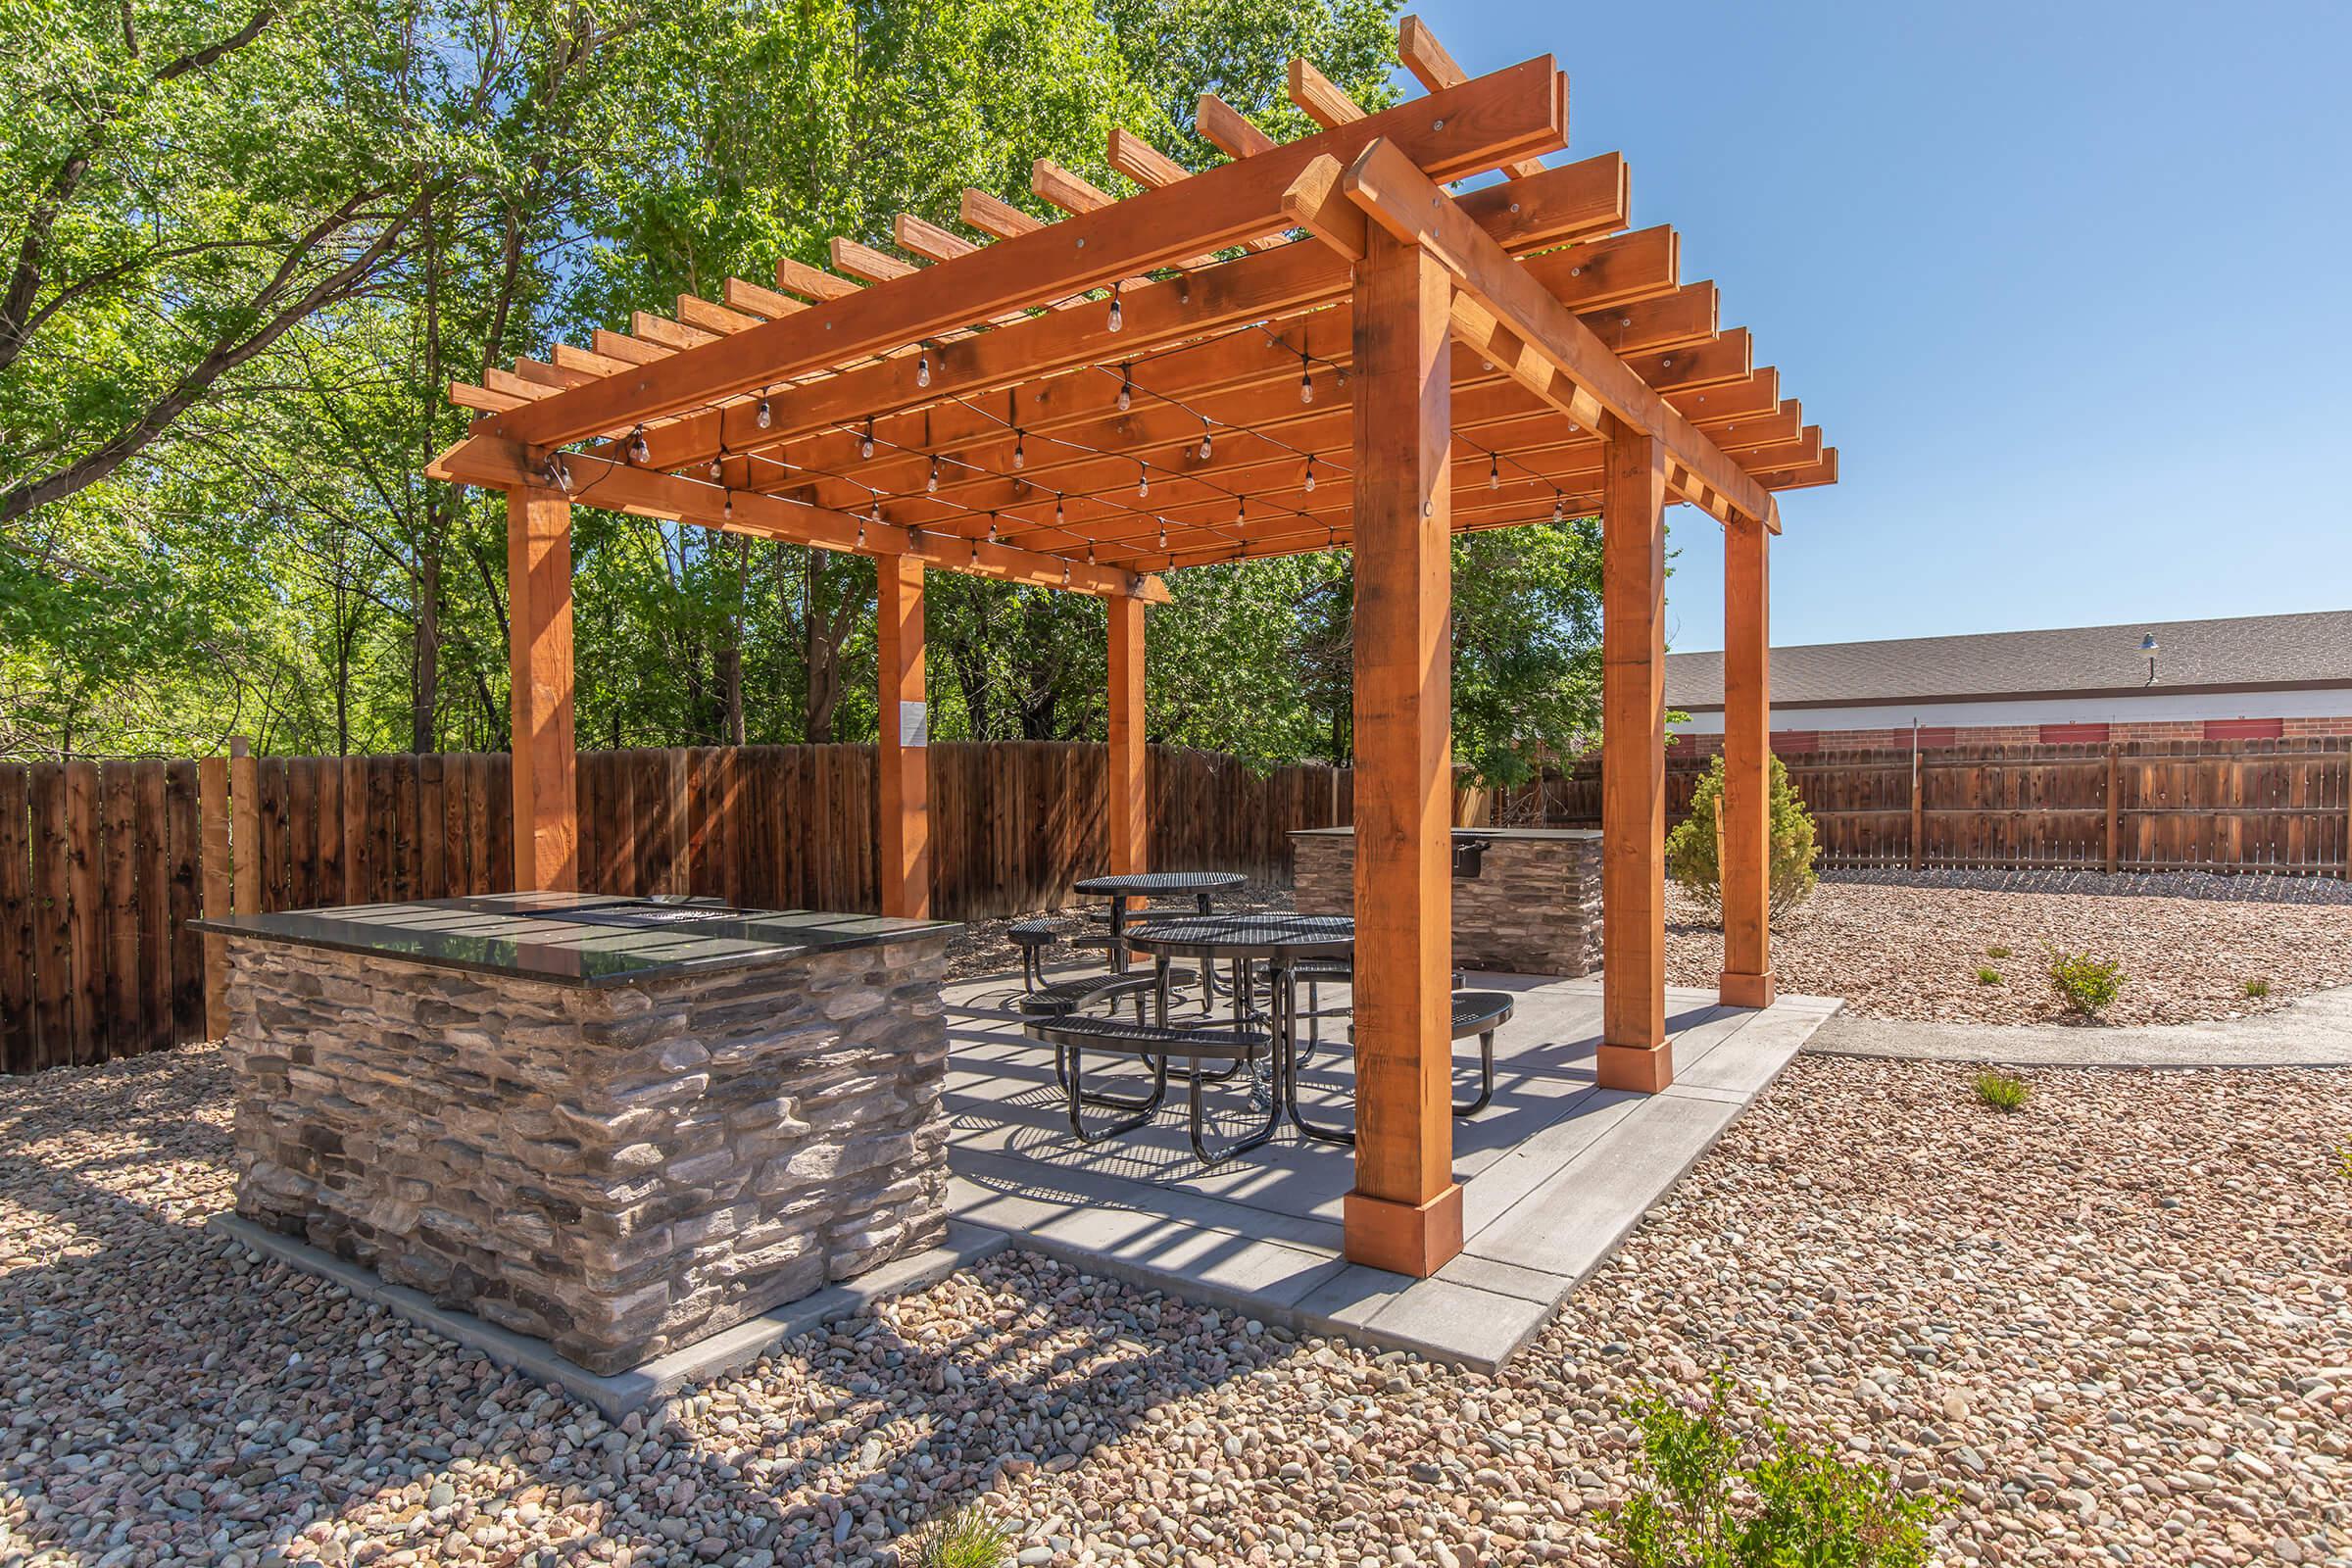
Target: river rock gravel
1913 951
2110 1329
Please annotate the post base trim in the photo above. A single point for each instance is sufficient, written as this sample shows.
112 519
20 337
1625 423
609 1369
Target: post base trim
1415 1239
1644 1069
1737 990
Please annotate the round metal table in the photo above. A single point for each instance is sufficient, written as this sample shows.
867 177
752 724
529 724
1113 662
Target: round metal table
1246 940
1119 887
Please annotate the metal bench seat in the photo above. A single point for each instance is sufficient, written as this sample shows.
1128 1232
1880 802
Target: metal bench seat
1155 1045
1058 998
1473 1012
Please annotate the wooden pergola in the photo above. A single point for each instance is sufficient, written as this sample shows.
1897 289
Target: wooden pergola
1315 345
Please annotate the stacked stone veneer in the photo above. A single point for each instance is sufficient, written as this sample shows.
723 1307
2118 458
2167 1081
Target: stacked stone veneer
619 1170
1533 908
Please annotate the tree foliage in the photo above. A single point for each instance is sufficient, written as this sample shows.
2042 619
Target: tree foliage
245 248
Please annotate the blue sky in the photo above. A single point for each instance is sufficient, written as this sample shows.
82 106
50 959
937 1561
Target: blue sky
2069 285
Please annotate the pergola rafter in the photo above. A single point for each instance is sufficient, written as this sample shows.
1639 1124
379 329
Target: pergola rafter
1311 346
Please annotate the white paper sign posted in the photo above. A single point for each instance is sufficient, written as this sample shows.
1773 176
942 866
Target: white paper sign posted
914 723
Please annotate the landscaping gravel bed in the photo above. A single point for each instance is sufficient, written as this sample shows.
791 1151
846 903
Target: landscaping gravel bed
2112 1328
1913 951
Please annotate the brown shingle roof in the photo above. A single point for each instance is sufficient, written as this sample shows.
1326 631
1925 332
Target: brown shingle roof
2314 649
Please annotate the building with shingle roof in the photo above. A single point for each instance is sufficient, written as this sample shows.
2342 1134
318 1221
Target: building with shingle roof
2244 677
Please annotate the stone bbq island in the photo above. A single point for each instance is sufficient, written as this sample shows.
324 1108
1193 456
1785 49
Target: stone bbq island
616 1124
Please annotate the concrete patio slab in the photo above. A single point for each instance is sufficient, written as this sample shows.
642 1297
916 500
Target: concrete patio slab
1556 1172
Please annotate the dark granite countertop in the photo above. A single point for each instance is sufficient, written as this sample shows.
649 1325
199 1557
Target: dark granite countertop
1505 834
574 938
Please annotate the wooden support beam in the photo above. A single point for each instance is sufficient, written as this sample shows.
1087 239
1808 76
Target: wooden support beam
1228 129
1550 343
992 215
1418 50
1635 1052
1126 818
669 334
1746 806
1153 169
701 313
539 626
1319 98
754 300
1406 1210
1512 112
494 464
796 276
903 758
572 359
928 240
1577 201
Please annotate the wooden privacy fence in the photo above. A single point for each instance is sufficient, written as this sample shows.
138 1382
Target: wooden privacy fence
102 864
2278 807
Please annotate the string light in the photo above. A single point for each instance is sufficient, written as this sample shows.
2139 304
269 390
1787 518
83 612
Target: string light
1117 317
766 416
1493 470
1310 473
1559 508
1090 551
715 470
922 369
1126 387
557 472
992 527
932 483
1143 481
1056 508
1204 447
1163 534
639 452
861 536
726 507
1307 378
1020 452
865 444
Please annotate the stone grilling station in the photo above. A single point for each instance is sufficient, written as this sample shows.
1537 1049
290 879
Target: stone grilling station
619 1125
1526 900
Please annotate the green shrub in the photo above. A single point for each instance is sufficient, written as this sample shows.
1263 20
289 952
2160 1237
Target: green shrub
1997 951
2087 984
1690 847
1987 975
2002 1091
2258 988
964 1538
1705 1496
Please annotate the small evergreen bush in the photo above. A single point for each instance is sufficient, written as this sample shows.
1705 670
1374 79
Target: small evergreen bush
1705 1496
1691 848
2087 984
964 1538
2002 1091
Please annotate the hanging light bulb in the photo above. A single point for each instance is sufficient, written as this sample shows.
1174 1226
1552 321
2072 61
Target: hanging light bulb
922 369
715 468
1559 508
1310 473
766 416
992 527
726 507
1126 387
638 449
1163 533
1057 509
1493 470
1118 318
1205 448
861 536
1143 481
932 483
865 443
1090 551
1306 379
1020 454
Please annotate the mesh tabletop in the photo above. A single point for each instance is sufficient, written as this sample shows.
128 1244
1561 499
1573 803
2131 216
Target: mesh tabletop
1148 883
1246 936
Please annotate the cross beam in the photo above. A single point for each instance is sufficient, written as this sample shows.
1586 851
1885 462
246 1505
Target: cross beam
1538 340
500 465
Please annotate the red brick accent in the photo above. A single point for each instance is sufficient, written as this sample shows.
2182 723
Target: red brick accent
2073 734
1791 743
1795 742
2245 729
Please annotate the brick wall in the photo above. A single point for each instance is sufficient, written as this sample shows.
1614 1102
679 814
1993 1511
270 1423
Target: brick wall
1933 737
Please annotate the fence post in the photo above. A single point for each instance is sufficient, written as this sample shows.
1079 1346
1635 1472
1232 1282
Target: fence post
1919 840
212 806
2111 808
244 825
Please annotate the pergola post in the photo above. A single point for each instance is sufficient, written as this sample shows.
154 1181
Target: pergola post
1127 819
547 833
1406 1210
1746 978
1633 1052
904 776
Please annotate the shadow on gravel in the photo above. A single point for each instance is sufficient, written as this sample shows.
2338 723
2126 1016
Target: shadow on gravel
169 1400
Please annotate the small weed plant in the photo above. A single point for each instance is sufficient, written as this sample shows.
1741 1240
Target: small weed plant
1988 975
964 1538
2258 988
2087 984
2343 1161
1997 951
2002 1091
1707 1495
